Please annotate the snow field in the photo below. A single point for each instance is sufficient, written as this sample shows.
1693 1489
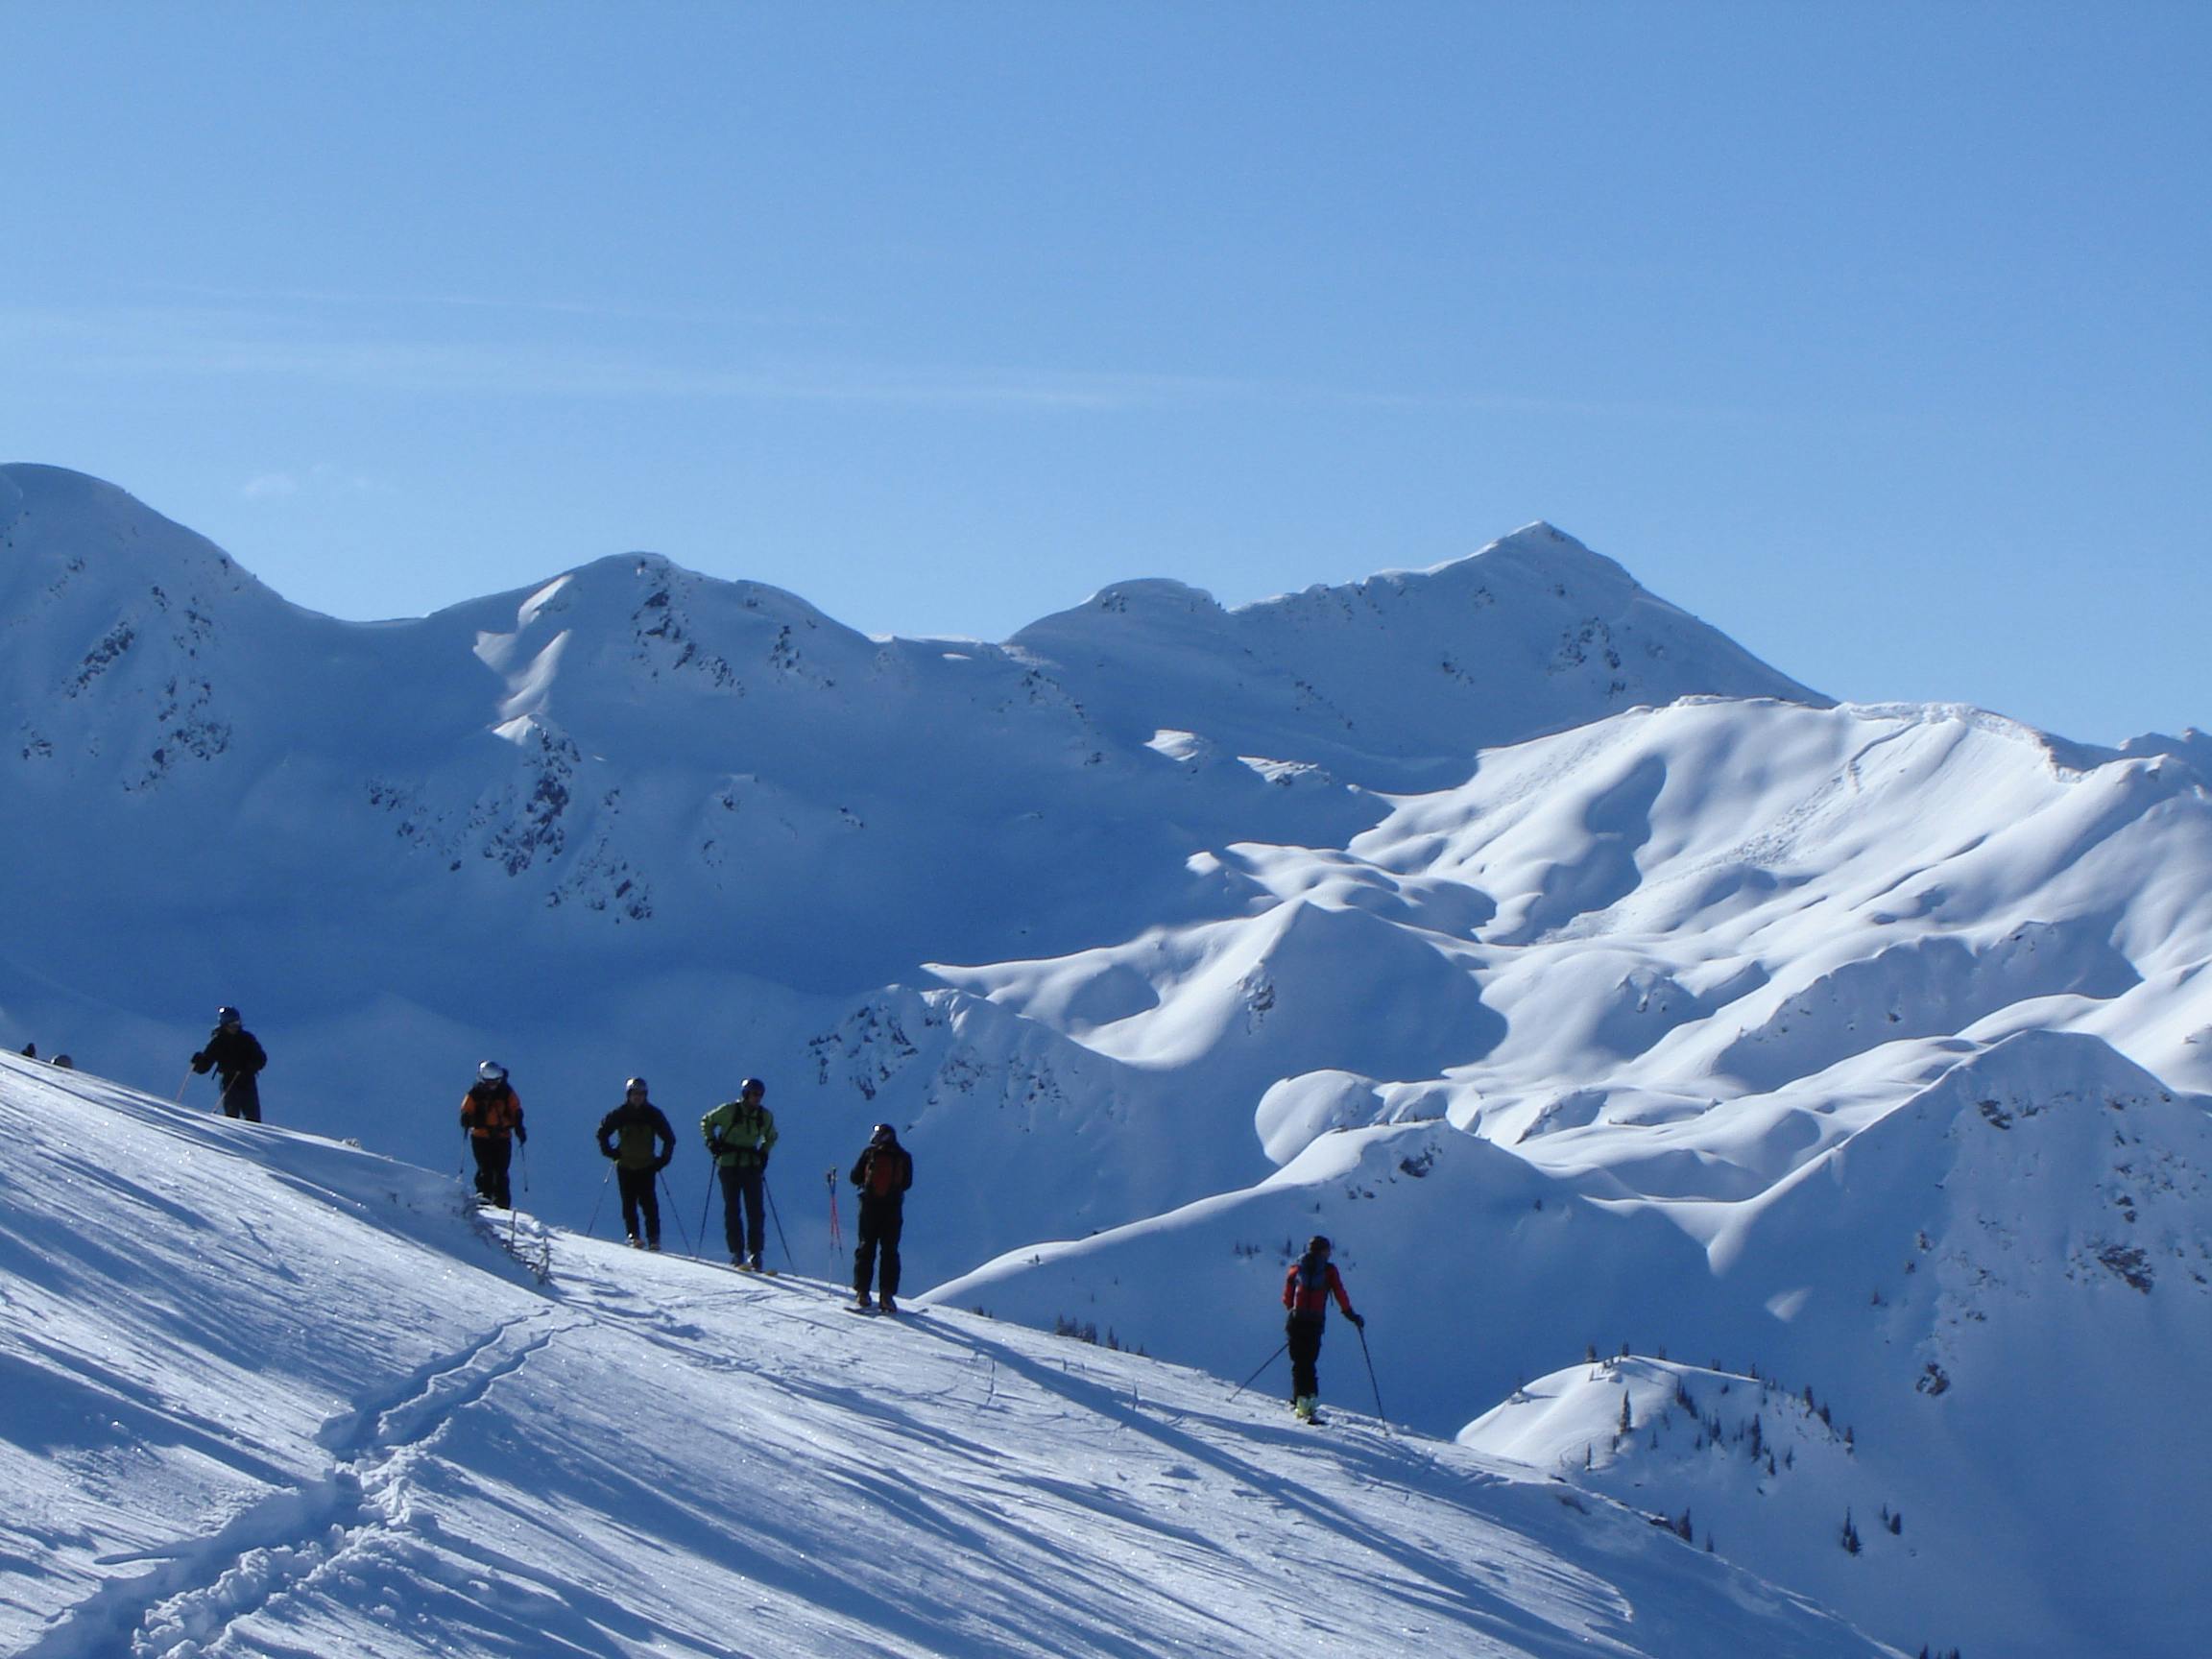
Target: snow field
275 1395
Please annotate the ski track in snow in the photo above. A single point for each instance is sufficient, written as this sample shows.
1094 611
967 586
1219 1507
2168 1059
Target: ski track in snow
291 1539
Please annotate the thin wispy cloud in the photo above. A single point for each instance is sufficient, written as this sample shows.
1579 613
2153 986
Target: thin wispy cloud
252 341
358 300
323 478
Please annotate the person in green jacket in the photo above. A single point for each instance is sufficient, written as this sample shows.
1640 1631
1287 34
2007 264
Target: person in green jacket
637 1137
739 1134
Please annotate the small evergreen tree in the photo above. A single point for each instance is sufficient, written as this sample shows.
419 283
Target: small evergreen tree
1850 1538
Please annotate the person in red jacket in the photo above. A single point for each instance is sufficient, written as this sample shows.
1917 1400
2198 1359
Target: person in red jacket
883 1173
492 1115
1305 1291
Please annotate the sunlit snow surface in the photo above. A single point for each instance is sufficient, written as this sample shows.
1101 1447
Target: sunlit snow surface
267 1395
1592 983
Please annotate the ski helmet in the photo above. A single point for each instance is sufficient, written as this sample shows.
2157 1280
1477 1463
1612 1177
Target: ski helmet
1318 1245
227 1016
752 1085
491 1072
883 1135
634 1086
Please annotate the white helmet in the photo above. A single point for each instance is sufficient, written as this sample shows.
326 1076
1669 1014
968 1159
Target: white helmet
491 1072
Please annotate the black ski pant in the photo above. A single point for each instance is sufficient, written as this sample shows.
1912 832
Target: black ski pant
637 1197
241 1097
494 1154
742 1221
1304 1346
881 1222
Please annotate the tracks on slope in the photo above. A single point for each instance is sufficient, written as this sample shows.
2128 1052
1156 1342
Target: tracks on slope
284 1541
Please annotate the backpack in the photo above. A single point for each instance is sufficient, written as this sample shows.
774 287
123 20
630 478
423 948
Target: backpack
885 1172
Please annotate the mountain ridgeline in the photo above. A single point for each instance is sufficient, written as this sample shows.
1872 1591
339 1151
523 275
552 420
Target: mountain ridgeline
640 744
1594 984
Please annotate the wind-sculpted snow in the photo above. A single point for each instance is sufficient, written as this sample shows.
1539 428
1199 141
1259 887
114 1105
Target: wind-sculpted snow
1995 1284
1581 974
272 1395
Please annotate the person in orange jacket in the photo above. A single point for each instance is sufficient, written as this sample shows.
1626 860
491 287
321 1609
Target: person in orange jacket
1312 1280
492 1115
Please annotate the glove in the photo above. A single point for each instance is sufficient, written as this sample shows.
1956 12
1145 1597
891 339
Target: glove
660 1163
1358 1322
200 1065
716 1146
520 1132
606 1153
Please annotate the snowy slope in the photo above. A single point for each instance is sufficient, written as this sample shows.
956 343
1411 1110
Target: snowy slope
270 1394
1585 978
2001 1288
635 821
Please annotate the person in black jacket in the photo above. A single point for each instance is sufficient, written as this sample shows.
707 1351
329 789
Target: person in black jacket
236 1059
883 1173
636 1136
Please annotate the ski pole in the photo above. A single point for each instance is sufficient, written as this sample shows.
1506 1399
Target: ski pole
1362 1328
668 1192
596 1202
769 1194
182 1087
1264 1364
706 1204
836 1231
523 1148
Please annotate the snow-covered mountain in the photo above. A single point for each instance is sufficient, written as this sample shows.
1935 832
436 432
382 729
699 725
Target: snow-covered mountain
267 1394
1591 982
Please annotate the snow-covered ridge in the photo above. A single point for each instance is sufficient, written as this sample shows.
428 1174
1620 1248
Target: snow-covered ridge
268 1393
1171 932
1987 1311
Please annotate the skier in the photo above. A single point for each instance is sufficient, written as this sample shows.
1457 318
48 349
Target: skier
1305 1291
641 1129
236 1060
739 1134
883 1173
492 1116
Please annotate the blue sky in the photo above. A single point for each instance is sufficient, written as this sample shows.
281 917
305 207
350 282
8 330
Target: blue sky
1876 334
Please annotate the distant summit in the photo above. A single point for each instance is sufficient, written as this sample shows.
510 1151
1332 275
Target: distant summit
1397 681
